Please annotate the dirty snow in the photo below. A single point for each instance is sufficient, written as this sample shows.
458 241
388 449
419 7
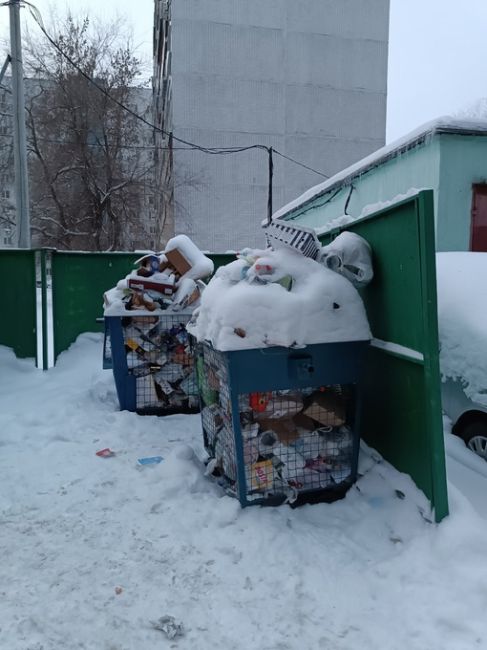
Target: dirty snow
105 554
321 307
462 300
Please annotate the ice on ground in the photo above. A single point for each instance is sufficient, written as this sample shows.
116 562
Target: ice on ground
462 312
246 308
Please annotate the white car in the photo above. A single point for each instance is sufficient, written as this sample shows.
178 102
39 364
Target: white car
462 322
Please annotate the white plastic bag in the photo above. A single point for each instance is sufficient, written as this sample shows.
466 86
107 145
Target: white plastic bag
351 256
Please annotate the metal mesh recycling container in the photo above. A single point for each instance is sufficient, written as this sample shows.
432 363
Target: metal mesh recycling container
282 424
153 363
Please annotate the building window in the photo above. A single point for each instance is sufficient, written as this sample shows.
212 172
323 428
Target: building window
8 236
5 194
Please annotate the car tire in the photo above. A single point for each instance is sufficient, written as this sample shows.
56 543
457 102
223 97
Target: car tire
474 436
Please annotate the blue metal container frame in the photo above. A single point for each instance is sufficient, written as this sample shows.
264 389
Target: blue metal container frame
125 382
280 368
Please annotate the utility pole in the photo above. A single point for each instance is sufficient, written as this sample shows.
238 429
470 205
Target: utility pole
20 147
270 182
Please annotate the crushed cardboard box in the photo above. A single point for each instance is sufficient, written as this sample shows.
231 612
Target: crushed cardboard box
327 408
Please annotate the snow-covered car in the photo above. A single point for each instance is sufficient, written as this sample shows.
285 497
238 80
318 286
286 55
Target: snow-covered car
462 321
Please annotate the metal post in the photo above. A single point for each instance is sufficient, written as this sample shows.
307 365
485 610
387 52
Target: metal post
20 148
45 332
269 195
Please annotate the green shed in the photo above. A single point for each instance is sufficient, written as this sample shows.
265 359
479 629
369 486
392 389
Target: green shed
448 156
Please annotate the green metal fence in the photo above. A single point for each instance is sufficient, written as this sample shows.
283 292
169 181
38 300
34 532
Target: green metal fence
402 401
78 283
71 284
402 404
18 328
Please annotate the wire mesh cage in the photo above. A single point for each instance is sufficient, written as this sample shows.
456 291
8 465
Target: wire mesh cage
153 364
296 444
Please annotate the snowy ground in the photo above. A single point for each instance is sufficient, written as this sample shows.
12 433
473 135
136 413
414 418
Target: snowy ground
75 529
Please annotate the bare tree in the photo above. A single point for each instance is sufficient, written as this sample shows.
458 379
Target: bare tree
90 160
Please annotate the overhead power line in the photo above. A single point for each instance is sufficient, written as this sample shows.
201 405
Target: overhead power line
35 13
209 150
296 162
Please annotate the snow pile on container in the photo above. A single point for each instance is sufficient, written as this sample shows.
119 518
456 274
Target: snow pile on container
462 300
279 297
166 281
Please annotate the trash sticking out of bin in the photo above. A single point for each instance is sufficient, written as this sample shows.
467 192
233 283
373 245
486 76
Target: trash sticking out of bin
145 334
280 297
153 363
280 343
275 437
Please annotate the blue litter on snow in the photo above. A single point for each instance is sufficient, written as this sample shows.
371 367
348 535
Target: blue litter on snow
150 460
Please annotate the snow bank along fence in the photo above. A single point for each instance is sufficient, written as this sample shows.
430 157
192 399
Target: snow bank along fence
401 415
53 296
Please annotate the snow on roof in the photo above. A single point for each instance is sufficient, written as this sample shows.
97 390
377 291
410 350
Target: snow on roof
444 124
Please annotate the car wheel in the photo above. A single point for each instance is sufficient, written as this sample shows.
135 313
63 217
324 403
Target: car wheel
475 437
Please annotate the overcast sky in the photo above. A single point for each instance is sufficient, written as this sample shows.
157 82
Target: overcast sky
437 55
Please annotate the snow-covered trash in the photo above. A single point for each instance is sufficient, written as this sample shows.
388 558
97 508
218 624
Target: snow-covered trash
351 256
278 297
152 305
186 258
168 281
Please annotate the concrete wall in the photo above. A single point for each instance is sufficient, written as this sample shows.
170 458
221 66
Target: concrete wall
305 76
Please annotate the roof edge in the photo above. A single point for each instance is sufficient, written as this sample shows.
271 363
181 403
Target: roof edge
440 126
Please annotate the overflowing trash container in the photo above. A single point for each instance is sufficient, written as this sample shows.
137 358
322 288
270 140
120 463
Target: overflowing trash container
282 424
153 363
280 336
146 343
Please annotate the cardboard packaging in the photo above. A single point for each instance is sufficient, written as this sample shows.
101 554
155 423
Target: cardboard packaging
284 428
148 284
262 475
326 408
178 261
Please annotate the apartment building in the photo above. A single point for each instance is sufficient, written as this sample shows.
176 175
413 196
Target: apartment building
307 77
